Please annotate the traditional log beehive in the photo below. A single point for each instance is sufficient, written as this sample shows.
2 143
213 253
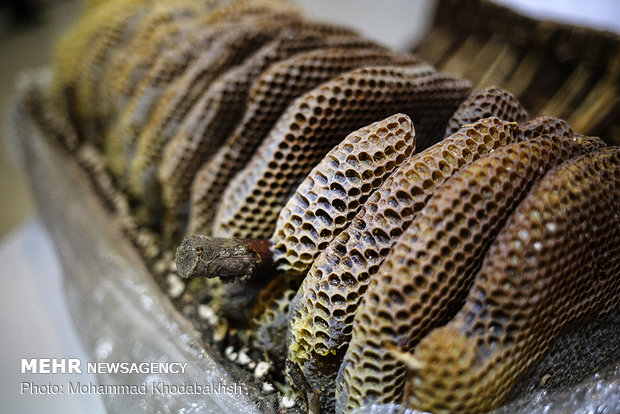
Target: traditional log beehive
421 242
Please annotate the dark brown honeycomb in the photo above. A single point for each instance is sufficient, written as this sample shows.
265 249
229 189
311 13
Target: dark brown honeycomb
429 270
545 125
323 310
486 103
220 109
228 50
269 97
555 262
315 122
332 193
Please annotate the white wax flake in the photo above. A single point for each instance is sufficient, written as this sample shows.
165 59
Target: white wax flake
287 402
230 353
267 387
261 369
538 246
175 285
243 359
252 365
206 312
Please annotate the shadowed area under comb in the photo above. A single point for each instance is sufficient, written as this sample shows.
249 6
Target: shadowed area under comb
555 262
270 314
316 121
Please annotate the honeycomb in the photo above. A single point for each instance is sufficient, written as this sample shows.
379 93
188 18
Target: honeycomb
89 86
222 106
52 122
429 270
315 122
392 141
269 97
332 193
557 260
322 314
244 119
212 119
545 125
202 55
74 53
228 50
162 24
151 42
485 103
96 56
142 99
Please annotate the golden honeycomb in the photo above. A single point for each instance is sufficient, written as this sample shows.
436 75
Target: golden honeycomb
228 50
555 261
429 270
179 74
74 53
128 72
315 122
89 88
163 23
268 98
486 103
141 100
332 193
